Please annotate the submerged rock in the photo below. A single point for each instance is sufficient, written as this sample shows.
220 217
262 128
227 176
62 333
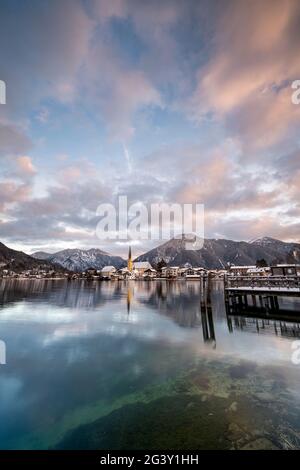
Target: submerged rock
264 396
233 406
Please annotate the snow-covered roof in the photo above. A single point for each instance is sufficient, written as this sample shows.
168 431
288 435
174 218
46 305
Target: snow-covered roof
142 265
286 266
242 267
256 270
107 269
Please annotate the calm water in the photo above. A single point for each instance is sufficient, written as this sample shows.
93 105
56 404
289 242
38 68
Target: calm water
118 365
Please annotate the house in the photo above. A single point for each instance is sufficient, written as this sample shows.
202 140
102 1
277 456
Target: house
91 272
108 271
221 274
240 270
170 271
285 270
201 271
150 273
256 272
140 267
192 273
182 271
124 273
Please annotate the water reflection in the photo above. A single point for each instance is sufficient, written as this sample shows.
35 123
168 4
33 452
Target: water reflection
255 315
264 326
182 302
80 351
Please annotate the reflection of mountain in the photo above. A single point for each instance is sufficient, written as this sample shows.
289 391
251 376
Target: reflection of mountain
78 294
178 301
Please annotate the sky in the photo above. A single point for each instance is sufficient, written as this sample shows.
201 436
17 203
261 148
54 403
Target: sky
161 101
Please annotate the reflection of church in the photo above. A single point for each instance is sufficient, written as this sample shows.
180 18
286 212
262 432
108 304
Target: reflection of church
129 298
177 301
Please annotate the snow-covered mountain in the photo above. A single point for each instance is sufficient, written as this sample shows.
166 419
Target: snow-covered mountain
40 255
283 251
267 242
218 253
80 260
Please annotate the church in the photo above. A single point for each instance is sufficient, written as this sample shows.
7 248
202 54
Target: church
139 267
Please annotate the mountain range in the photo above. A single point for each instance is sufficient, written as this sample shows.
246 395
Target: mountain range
79 260
219 253
215 253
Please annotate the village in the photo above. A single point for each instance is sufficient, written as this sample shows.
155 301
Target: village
143 270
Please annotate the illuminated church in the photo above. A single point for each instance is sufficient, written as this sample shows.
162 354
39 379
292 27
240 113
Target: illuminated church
129 262
139 267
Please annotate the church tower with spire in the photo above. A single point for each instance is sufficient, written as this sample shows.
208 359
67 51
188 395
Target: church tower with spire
129 262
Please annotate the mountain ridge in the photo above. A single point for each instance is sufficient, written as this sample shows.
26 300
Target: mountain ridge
215 254
219 253
78 260
18 260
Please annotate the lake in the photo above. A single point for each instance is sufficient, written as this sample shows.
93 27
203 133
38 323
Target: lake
139 365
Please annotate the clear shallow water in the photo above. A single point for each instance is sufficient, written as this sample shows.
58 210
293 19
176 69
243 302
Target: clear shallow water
118 365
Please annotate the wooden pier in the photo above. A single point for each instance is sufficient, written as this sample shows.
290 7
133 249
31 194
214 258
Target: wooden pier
259 292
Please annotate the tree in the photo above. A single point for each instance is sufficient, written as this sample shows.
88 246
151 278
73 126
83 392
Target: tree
261 263
161 264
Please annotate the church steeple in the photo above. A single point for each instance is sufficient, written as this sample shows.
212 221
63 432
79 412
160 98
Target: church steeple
129 262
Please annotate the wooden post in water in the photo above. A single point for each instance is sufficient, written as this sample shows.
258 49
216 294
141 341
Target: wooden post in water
266 303
206 313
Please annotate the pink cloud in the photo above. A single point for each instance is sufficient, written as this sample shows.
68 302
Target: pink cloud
12 192
25 166
247 80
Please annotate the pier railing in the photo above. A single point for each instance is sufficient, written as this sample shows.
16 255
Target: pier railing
287 282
